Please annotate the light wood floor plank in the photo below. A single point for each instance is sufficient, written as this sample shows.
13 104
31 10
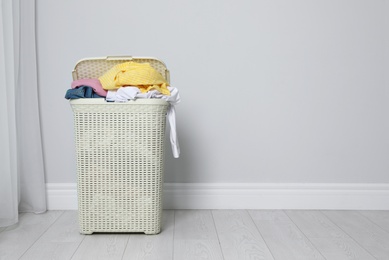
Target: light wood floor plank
153 247
371 237
283 237
238 235
101 247
195 236
60 241
380 217
328 238
205 234
17 239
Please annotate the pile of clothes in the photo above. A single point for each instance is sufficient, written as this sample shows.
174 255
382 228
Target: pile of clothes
130 81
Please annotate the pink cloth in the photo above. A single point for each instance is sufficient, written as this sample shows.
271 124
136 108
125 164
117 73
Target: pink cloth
93 83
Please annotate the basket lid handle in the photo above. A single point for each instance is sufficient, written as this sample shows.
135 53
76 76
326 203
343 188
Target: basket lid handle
119 58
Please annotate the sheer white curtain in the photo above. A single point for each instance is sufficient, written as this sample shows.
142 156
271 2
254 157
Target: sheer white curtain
22 184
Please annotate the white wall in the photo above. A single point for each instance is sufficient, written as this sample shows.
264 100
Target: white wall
272 91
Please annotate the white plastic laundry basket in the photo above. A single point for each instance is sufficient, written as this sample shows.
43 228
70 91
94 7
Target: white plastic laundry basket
120 154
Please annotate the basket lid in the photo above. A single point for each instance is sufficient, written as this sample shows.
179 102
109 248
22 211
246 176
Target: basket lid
89 68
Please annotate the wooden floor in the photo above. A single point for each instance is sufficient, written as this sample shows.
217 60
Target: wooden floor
207 234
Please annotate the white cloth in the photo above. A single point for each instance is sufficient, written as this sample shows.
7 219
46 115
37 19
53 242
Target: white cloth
124 94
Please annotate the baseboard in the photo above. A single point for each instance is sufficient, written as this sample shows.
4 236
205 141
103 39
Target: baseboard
347 196
61 196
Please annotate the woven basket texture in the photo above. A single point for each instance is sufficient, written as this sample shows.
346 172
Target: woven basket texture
120 154
96 67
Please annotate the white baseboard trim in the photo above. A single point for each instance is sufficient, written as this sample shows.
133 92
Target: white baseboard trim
348 196
61 196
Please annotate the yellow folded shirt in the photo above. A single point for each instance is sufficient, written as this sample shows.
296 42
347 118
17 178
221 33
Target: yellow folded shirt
141 75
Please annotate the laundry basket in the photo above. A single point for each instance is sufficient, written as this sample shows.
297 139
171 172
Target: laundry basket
120 155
